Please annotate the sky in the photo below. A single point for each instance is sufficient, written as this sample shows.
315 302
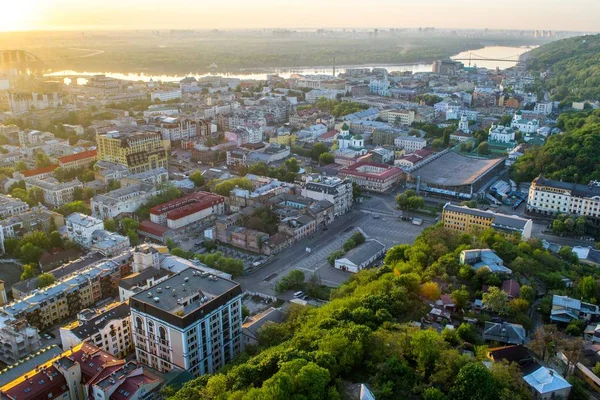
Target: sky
574 15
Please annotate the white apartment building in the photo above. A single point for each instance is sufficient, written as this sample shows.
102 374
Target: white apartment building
108 328
174 129
316 94
550 197
125 200
410 143
17 339
166 95
10 206
335 190
544 108
55 193
380 87
192 320
80 228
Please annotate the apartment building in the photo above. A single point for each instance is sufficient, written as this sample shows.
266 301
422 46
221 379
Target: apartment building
46 307
139 151
410 144
82 372
174 128
244 135
372 176
18 339
125 200
55 193
80 228
77 160
335 190
189 209
192 320
166 95
10 206
108 328
465 219
399 117
551 197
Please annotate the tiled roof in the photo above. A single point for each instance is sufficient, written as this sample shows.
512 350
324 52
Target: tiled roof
39 171
77 156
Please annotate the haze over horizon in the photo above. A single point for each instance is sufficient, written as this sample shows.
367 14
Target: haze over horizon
23 15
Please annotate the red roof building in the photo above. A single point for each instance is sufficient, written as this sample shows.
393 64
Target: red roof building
372 176
77 160
181 212
90 370
40 173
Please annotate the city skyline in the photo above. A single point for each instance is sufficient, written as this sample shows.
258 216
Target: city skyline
310 14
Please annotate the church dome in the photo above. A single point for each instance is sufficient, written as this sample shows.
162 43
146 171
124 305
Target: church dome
345 127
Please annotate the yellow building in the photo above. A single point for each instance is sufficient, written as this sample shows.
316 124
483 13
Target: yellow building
465 219
284 140
139 151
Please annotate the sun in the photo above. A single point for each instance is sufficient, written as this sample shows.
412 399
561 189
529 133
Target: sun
19 15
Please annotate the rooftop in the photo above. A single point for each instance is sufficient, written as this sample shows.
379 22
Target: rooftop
85 329
185 292
576 189
365 251
499 220
453 169
546 380
77 156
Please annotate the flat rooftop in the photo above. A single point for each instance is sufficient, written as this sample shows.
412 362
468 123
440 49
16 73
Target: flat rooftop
185 292
453 169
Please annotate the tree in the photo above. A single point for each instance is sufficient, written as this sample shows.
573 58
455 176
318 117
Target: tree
292 165
326 159
544 342
496 300
78 194
21 166
402 201
55 239
588 288
42 160
483 148
431 291
460 297
527 293
30 253
416 202
318 149
197 178
474 381
110 225
29 271
396 253
45 279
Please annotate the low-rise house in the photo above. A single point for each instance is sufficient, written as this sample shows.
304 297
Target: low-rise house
547 384
484 258
10 206
565 309
511 288
109 243
361 257
504 332
77 160
251 325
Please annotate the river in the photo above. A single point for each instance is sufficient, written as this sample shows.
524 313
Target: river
494 52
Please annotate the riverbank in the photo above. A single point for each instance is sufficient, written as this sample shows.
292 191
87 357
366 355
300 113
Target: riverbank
259 73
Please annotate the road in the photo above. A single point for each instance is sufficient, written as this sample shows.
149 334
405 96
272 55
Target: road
374 220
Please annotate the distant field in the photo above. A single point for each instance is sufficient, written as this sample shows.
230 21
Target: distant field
142 52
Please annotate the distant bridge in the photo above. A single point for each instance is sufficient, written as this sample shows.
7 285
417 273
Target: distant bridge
21 60
475 57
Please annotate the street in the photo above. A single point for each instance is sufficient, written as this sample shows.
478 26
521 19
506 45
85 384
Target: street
372 217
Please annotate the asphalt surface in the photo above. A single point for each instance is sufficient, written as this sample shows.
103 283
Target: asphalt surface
373 217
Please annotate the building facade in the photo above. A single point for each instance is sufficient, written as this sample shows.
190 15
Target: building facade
80 228
192 320
335 190
372 176
465 219
550 197
139 152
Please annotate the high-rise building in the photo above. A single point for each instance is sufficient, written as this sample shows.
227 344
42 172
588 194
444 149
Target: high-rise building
139 151
193 320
